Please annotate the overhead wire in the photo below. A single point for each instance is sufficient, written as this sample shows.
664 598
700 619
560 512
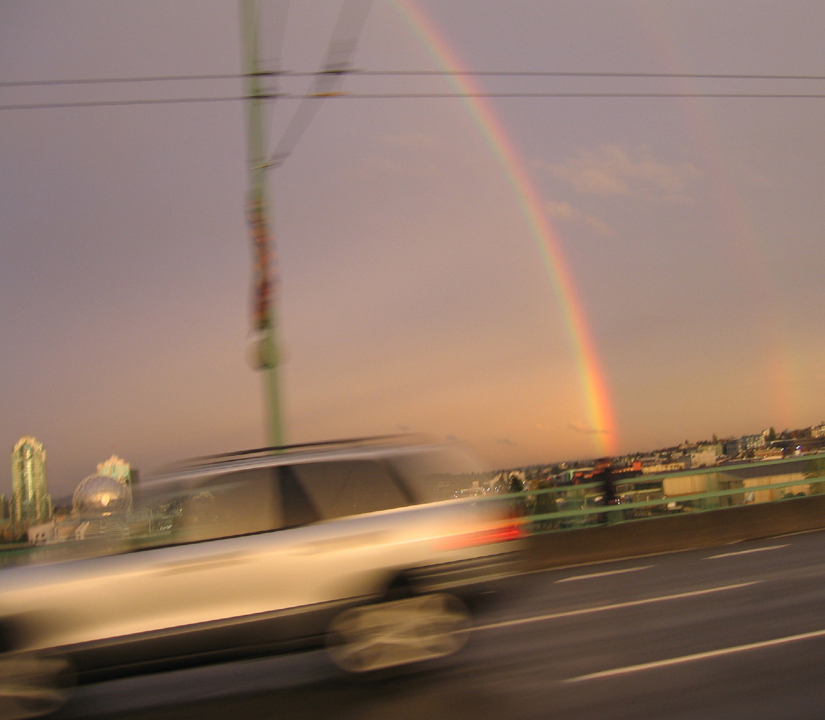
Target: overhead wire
325 84
289 140
586 94
582 74
101 81
271 23
416 73
121 103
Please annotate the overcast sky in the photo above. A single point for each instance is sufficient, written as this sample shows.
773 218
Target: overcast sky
414 293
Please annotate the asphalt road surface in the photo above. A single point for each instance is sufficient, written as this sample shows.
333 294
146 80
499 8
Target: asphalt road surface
731 632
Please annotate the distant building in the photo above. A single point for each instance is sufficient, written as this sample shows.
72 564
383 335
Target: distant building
31 502
99 495
705 455
663 467
101 506
40 534
754 442
732 448
117 468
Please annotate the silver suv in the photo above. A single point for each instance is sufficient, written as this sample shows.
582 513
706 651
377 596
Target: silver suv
357 546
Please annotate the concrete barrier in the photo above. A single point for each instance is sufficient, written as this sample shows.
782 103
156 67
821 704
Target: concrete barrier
676 532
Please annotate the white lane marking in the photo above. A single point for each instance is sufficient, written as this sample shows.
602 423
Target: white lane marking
611 561
747 552
798 532
697 656
603 574
615 606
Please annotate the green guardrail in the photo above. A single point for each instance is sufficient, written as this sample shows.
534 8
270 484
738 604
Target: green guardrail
580 506
812 460
586 514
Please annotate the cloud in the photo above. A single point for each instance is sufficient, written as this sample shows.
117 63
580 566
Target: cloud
566 212
582 428
506 441
613 171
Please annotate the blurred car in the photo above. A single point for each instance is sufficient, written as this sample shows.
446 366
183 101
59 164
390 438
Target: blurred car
345 545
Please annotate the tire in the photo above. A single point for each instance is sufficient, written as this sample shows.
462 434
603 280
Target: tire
32 686
398 632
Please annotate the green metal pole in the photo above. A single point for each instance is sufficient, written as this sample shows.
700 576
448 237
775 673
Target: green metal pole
265 317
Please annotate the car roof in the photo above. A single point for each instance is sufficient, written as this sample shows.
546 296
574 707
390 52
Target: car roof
384 446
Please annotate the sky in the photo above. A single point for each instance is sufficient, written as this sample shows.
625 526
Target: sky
542 279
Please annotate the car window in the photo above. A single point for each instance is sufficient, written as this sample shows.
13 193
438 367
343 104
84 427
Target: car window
442 474
296 507
342 488
225 505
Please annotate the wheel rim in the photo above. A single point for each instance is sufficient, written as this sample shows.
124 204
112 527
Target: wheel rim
398 632
32 686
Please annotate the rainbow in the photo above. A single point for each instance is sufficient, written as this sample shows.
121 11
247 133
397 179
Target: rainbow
600 414
746 242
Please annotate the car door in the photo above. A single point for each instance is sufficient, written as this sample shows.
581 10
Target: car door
215 551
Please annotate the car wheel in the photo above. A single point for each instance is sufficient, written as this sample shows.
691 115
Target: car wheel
32 686
399 632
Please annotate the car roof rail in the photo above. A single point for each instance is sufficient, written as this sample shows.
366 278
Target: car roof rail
283 449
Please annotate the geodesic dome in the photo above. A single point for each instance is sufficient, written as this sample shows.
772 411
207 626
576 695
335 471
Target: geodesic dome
101 495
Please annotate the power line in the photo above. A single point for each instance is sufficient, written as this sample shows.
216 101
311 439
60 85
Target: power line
325 84
149 78
528 95
101 81
115 103
421 96
419 73
578 74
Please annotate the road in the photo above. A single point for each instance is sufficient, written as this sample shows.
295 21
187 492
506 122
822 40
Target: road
732 632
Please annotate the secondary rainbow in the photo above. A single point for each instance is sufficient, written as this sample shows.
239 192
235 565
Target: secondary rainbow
746 245
600 414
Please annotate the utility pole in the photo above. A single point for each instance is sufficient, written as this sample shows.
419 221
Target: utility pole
265 355
351 19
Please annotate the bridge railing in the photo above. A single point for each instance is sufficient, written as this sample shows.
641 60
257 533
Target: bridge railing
574 506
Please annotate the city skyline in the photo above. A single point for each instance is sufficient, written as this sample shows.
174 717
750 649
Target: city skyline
120 469
541 278
30 498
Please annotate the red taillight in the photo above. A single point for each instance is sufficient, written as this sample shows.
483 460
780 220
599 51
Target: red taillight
488 536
